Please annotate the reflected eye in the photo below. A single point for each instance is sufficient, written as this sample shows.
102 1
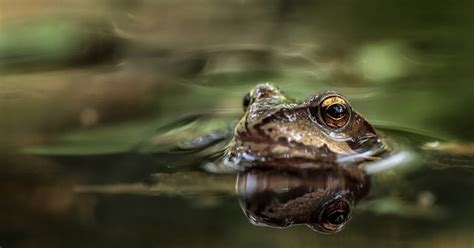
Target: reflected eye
336 217
247 100
333 216
334 112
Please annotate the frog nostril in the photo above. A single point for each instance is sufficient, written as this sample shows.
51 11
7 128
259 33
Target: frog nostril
247 100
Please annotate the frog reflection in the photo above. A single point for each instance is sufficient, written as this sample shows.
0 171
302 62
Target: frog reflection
301 162
320 198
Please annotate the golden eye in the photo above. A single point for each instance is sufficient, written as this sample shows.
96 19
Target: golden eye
334 112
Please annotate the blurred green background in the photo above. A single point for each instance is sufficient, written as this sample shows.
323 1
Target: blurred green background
96 77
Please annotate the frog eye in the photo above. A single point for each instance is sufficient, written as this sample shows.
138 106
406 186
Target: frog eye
334 112
333 216
247 100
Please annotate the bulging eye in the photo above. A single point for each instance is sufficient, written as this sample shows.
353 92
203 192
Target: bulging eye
247 100
334 112
333 217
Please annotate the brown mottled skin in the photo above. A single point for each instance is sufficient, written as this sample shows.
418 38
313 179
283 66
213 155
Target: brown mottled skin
301 162
276 131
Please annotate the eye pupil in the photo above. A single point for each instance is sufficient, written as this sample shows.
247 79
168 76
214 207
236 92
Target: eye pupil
337 217
336 111
246 100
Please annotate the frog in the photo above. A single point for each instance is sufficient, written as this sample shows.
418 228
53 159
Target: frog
322 131
301 162
293 162
314 151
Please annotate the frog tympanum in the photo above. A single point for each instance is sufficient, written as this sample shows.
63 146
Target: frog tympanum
301 162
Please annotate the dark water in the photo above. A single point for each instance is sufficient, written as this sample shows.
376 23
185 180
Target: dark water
110 111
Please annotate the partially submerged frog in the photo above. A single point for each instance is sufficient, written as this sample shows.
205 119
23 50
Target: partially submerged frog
323 131
301 162
298 162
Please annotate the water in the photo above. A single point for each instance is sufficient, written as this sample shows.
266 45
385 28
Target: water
108 123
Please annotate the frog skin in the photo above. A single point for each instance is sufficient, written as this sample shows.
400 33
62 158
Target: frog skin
301 162
323 131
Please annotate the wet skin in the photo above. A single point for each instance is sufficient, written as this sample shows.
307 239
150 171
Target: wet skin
301 162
